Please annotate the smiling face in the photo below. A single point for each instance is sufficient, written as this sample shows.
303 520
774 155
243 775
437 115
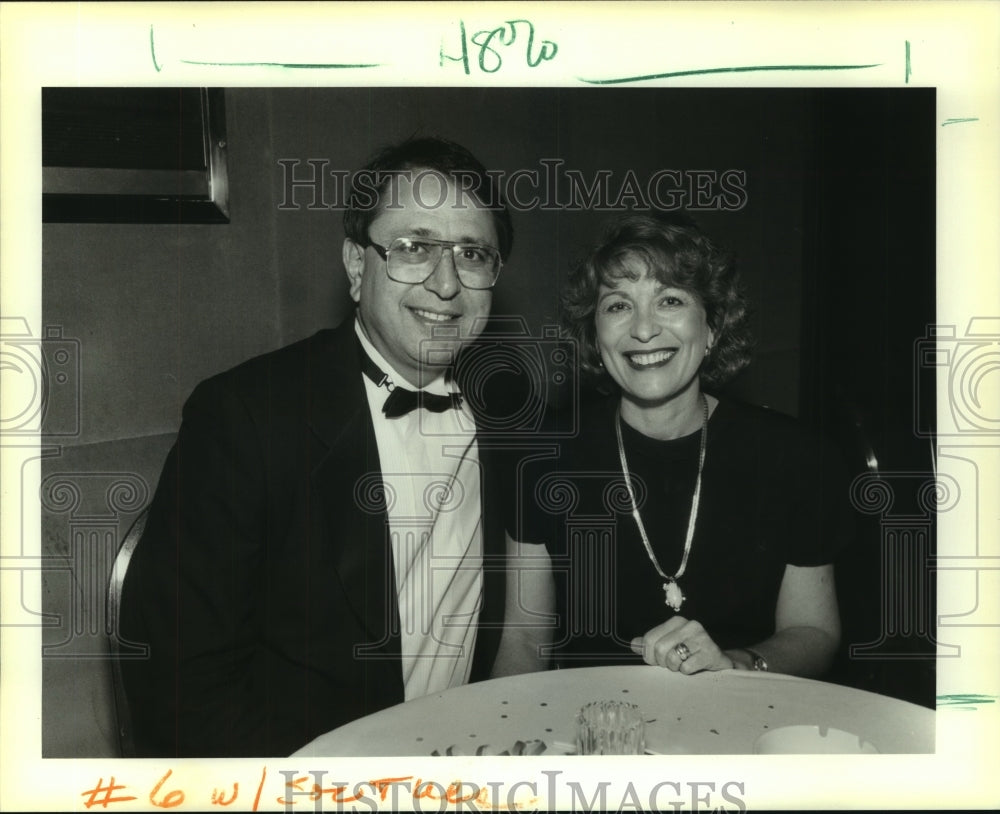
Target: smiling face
400 319
652 339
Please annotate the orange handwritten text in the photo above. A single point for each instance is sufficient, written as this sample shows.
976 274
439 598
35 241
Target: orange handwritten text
169 792
382 786
219 797
108 790
455 793
174 798
169 799
316 792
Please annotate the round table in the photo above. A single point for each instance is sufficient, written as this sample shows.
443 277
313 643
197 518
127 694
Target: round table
713 713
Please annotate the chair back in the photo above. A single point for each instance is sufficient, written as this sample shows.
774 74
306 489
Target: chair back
118 647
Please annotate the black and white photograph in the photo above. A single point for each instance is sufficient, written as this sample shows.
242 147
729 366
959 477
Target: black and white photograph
383 427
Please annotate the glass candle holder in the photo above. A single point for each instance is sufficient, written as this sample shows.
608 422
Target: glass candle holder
610 728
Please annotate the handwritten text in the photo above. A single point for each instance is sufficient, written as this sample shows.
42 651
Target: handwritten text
489 41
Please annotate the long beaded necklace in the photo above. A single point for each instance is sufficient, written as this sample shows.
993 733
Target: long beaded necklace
674 597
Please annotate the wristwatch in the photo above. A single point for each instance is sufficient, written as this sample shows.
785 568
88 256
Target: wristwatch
758 662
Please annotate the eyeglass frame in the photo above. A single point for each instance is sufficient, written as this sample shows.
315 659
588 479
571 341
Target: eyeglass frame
383 252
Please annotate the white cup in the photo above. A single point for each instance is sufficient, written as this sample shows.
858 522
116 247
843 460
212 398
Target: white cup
811 740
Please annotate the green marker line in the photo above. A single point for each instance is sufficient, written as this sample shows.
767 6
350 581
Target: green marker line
908 71
957 121
965 700
294 65
152 50
742 69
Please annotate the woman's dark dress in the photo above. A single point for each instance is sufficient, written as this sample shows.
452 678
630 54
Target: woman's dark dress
771 495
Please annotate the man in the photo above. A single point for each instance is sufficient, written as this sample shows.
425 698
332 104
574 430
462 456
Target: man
314 551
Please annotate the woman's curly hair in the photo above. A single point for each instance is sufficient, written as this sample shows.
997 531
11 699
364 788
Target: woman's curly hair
674 249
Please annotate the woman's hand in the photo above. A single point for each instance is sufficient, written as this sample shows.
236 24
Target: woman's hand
681 645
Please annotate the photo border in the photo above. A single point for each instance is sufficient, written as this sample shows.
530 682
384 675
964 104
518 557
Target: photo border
706 45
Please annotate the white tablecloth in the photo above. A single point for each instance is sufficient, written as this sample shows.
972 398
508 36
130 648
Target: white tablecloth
710 713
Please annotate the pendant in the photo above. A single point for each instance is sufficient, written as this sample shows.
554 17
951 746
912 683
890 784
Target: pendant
674 595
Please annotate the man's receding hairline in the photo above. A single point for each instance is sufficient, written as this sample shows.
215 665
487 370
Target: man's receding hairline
476 203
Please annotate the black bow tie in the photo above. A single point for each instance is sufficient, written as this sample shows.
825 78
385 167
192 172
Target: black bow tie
401 400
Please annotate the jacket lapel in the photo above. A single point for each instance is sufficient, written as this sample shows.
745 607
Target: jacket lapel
347 482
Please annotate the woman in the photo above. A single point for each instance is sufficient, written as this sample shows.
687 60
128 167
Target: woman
694 532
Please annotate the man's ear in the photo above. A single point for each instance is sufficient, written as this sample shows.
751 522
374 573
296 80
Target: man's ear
354 265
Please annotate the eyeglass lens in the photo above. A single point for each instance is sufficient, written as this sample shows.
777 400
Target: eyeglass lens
413 261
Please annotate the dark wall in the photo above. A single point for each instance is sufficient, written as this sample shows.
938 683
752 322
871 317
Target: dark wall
869 295
157 308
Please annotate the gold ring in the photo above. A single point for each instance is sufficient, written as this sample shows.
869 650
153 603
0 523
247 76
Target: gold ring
682 651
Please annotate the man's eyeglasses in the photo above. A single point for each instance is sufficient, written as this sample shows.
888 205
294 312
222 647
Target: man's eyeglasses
413 260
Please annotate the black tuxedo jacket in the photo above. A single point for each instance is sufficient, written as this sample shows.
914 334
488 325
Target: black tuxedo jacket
264 581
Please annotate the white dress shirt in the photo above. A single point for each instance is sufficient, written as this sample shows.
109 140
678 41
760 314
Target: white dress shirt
430 470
